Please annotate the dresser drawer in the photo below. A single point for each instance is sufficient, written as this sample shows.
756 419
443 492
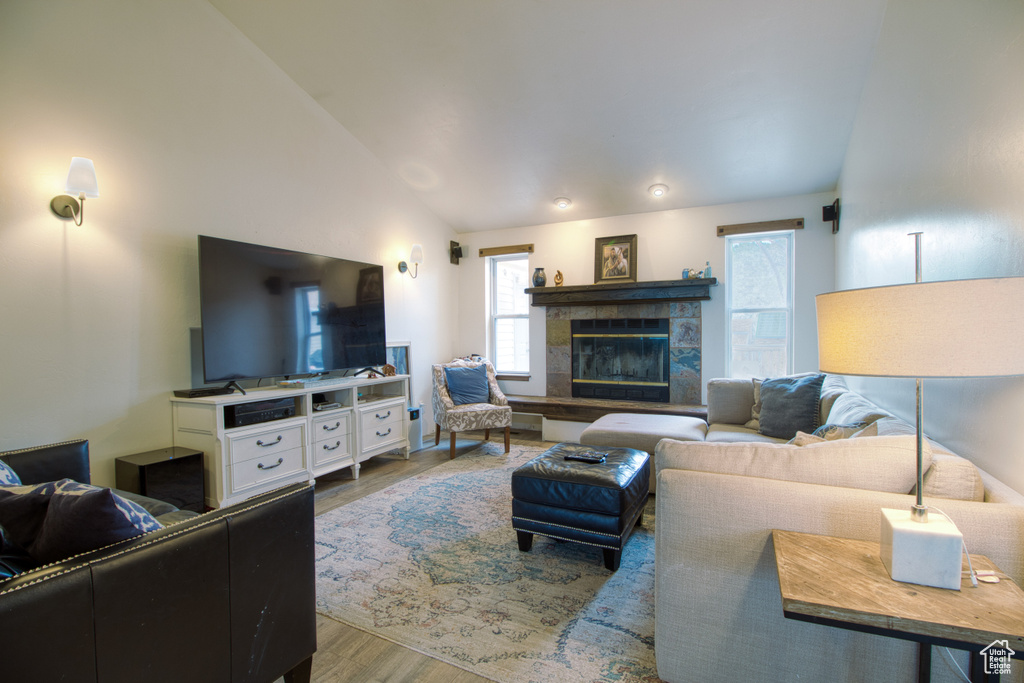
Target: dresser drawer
269 467
374 437
381 412
265 442
381 423
332 450
332 436
332 426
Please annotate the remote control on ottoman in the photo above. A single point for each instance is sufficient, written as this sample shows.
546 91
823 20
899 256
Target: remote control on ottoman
583 494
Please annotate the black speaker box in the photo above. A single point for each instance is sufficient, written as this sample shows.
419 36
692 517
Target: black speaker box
173 475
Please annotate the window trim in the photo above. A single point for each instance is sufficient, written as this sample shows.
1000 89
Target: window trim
493 317
789 310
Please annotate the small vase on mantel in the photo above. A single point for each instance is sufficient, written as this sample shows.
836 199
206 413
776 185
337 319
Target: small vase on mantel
539 278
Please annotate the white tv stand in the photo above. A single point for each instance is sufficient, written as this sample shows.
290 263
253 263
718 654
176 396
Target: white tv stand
242 461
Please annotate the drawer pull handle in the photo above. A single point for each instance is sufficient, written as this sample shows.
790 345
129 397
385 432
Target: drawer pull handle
270 467
272 443
332 448
385 433
337 425
382 417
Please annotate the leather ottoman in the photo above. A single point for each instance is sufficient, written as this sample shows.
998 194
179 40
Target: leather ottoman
594 504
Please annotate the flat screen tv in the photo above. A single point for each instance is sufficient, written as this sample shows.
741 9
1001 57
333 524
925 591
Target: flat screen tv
270 312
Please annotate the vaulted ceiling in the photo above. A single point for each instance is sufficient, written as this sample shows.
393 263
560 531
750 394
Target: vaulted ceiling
490 109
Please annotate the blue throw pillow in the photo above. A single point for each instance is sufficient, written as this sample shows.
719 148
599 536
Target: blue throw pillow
467 385
790 405
8 477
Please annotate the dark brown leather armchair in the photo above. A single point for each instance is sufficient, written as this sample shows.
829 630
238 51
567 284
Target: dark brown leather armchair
224 596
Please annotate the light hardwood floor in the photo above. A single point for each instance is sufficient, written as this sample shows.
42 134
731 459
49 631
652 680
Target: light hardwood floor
348 654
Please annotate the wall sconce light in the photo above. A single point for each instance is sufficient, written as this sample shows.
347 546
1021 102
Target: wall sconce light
658 190
416 258
81 180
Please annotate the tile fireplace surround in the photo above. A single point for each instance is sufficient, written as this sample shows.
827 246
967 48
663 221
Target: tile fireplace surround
684 343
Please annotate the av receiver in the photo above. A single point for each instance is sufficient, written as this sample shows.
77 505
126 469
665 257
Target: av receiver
256 412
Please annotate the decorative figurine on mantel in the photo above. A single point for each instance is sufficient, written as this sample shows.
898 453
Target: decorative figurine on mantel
558 278
694 274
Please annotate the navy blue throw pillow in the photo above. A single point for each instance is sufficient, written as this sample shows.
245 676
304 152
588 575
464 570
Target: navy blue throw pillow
790 405
55 520
23 509
83 517
13 558
467 385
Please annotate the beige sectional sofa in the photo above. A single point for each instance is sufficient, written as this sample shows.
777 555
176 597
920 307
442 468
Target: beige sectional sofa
718 608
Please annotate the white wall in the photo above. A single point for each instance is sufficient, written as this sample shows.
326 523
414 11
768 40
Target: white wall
668 242
938 146
192 131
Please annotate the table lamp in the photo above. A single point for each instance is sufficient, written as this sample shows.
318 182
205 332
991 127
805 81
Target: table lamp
961 328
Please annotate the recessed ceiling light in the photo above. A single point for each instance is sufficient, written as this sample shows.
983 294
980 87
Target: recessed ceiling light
658 190
563 202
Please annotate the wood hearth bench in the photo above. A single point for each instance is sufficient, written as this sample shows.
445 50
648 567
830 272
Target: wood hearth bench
590 409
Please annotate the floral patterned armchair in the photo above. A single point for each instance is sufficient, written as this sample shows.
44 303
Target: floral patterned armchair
495 414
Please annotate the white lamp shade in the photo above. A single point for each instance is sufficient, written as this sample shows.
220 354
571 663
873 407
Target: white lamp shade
961 328
82 178
417 254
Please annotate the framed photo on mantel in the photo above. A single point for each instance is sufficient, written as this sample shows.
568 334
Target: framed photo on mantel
615 259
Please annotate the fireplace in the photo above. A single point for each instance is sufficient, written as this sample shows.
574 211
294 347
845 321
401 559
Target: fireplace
621 358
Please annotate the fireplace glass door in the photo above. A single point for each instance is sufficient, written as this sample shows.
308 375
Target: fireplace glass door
621 359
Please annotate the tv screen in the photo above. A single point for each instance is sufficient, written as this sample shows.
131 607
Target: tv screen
270 312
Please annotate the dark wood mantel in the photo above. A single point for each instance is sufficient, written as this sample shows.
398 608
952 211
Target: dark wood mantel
626 292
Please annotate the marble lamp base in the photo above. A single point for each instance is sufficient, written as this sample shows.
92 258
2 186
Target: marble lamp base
926 553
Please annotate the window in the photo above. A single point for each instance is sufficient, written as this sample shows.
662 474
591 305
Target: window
759 271
510 314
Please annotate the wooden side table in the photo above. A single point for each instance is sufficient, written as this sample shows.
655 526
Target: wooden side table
843 583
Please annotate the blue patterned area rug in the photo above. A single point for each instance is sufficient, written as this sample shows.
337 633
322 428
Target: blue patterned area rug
432 564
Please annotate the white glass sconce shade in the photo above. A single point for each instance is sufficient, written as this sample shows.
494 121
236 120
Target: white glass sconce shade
82 178
415 258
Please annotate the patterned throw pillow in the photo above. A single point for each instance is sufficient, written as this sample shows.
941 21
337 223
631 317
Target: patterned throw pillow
755 410
8 477
870 430
805 439
84 517
832 432
56 520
